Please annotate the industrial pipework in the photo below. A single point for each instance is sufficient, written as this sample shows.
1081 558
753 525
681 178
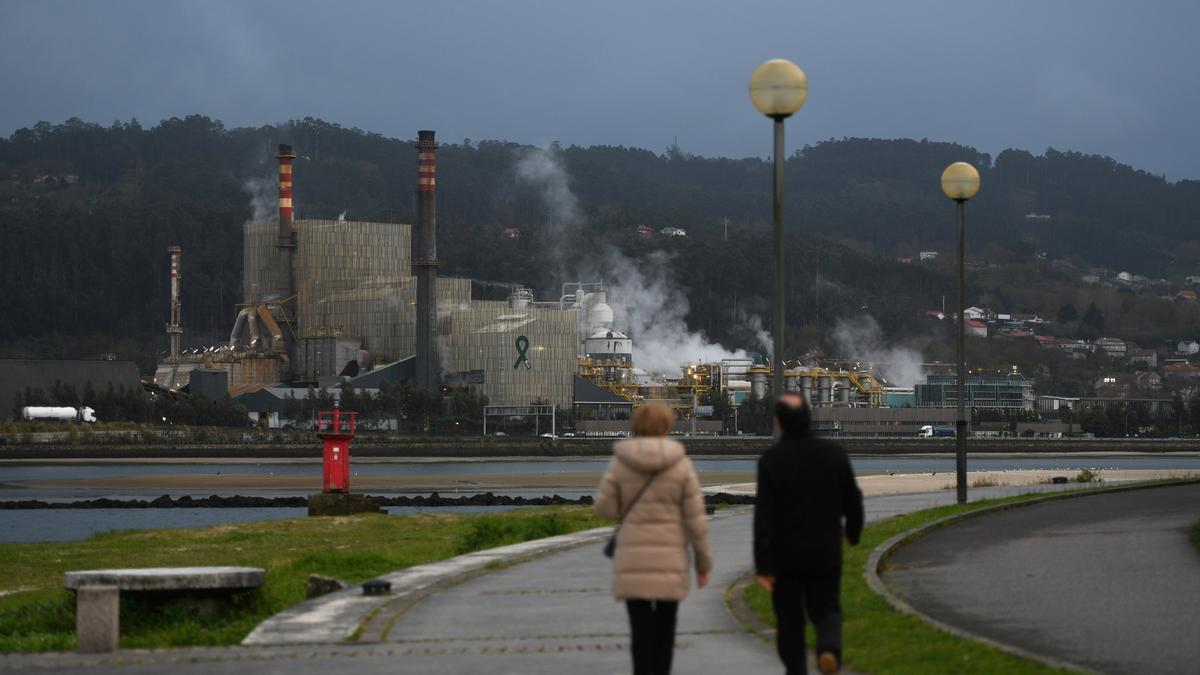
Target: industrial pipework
175 324
424 261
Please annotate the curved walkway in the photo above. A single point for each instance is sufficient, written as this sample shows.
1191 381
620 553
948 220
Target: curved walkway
1109 582
550 615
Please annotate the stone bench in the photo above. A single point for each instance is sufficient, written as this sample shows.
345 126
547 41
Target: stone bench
97 599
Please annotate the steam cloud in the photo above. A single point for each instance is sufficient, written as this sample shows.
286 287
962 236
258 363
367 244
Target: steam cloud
647 303
653 309
542 169
264 198
861 338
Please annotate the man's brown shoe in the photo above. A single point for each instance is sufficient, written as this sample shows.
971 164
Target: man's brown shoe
827 663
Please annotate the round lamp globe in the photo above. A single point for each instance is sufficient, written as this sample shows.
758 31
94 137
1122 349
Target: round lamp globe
778 88
960 181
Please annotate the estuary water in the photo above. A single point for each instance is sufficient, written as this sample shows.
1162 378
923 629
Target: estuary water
24 481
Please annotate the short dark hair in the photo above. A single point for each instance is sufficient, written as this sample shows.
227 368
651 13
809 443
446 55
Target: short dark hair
793 413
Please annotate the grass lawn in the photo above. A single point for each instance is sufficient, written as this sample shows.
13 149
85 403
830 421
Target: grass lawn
879 639
42 616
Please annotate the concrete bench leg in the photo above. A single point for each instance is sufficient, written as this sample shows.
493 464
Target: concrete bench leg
97 619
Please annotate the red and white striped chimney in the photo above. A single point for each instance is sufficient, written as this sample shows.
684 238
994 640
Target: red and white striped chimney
425 263
286 235
175 324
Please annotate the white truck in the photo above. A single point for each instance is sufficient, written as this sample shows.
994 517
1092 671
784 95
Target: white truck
45 413
930 431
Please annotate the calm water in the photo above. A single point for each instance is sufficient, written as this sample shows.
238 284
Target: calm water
10 474
68 524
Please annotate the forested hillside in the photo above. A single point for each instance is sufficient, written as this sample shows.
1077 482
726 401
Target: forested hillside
87 213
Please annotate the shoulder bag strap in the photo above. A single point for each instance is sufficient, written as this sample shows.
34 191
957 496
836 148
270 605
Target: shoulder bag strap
638 496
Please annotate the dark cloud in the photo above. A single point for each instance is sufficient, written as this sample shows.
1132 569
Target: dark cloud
1114 78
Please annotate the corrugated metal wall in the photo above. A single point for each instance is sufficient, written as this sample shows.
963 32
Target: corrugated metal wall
260 259
483 337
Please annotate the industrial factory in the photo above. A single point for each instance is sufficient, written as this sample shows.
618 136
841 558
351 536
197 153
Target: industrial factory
327 302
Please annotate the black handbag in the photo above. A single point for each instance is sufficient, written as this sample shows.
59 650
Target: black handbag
610 549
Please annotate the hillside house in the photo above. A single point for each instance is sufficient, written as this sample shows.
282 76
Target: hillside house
1181 370
1114 347
1145 357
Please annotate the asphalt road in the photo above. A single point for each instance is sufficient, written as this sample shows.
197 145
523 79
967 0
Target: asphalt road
1108 582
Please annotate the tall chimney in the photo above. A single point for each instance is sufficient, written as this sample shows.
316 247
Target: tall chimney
175 324
424 261
286 242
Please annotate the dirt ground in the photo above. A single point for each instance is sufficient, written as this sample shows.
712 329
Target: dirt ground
886 484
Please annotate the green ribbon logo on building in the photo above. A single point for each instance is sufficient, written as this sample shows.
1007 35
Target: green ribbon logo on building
522 347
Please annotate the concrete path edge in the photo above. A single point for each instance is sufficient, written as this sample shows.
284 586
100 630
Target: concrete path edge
881 553
336 617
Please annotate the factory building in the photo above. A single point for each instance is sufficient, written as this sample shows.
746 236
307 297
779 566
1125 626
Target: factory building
823 386
355 293
985 391
325 302
522 352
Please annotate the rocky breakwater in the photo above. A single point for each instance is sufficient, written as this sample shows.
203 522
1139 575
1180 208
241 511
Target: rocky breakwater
433 500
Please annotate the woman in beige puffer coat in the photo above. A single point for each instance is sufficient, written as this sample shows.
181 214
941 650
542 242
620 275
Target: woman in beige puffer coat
651 568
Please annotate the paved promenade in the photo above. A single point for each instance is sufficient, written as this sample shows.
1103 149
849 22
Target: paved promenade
551 615
1109 582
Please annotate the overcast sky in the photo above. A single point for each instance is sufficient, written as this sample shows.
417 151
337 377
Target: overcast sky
1115 78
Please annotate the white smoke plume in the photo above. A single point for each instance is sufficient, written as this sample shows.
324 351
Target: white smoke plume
860 338
543 169
648 305
753 324
264 198
653 310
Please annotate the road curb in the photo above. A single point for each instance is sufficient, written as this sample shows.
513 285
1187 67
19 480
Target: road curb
336 617
880 555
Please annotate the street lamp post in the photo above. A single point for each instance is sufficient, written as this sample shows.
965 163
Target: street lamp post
960 182
778 88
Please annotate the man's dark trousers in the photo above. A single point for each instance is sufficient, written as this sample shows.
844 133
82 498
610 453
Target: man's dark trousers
815 594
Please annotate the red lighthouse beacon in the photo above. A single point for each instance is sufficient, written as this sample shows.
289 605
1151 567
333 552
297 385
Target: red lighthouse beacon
336 429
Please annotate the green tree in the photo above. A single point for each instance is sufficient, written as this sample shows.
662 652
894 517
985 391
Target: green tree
1067 313
1091 326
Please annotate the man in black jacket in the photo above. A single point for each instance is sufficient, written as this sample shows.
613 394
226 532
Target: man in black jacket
805 488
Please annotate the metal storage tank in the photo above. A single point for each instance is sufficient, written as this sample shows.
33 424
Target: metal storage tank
758 383
610 345
600 315
791 382
806 389
824 389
